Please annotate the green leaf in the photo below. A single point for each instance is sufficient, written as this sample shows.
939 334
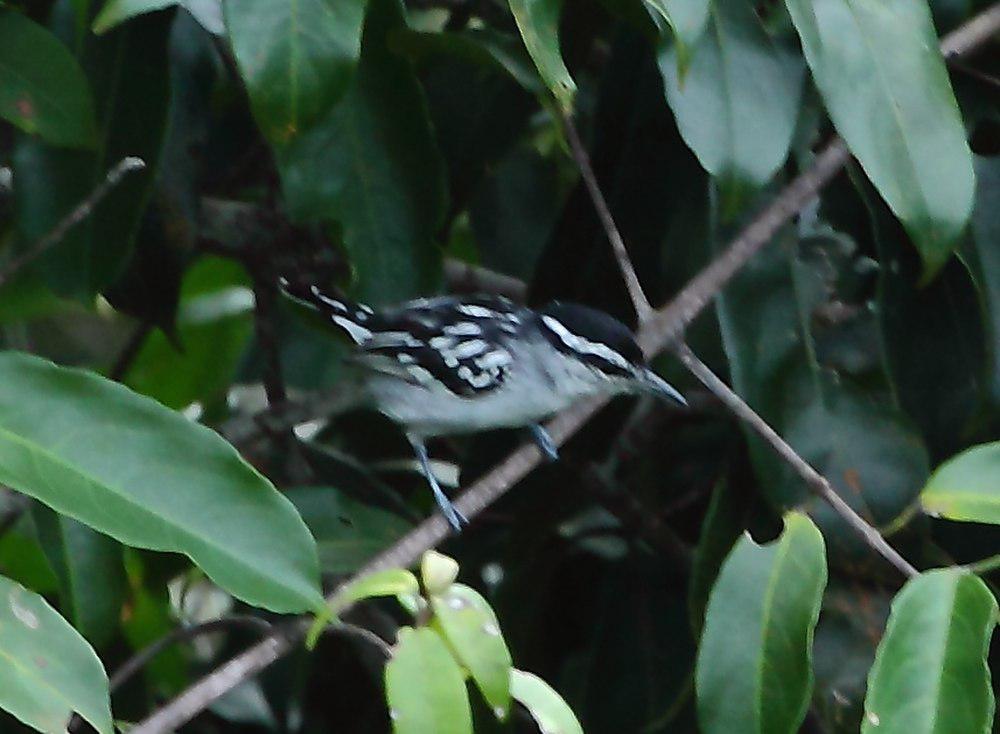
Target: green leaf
372 165
131 121
930 674
47 670
754 669
983 257
42 88
348 533
424 686
207 12
538 21
471 628
390 582
214 324
720 530
297 58
886 88
547 708
737 104
966 487
125 465
91 573
687 20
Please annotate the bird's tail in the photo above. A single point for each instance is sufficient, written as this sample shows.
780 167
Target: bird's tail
353 318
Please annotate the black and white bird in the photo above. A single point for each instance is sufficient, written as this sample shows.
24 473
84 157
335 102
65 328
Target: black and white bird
452 365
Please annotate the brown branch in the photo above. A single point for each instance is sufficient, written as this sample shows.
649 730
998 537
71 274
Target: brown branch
80 212
643 310
666 327
813 479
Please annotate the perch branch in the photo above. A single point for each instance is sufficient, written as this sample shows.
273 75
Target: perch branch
665 328
80 212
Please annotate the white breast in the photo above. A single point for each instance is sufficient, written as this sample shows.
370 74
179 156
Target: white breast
540 382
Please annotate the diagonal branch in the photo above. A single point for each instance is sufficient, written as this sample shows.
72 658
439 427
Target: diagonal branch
80 212
814 480
666 326
643 310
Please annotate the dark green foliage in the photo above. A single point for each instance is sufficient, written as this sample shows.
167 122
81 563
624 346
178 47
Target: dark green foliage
643 583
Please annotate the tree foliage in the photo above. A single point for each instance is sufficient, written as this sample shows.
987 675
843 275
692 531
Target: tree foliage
185 463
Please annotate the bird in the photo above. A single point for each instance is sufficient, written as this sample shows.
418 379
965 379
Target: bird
450 365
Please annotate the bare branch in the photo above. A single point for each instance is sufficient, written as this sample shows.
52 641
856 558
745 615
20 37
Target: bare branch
464 277
814 480
665 328
80 212
643 310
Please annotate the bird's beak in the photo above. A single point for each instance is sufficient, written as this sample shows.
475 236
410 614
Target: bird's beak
651 382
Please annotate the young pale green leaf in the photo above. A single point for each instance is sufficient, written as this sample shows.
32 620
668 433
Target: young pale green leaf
207 12
472 630
547 708
966 487
297 58
91 573
930 674
687 20
886 88
348 533
125 465
390 582
47 670
43 90
424 686
754 667
372 165
437 571
538 21
737 104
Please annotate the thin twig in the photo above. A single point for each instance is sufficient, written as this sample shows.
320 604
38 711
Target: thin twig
464 277
668 324
182 634
814 480
643 311
80 212
362 633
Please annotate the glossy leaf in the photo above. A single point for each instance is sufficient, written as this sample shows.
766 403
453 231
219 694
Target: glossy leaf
348 533
424 686
547 708
127 466
886 88
538 21
754 669
687 20
372 165
207 12
930 674
47 670
471 628
966 487
297 58
43 90
737 104
90 570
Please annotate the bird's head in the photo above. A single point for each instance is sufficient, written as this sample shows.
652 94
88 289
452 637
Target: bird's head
606 347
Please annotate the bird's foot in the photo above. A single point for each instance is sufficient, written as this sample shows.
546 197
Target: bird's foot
544 442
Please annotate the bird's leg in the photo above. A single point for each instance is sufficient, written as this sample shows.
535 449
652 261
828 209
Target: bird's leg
544 441
455 518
